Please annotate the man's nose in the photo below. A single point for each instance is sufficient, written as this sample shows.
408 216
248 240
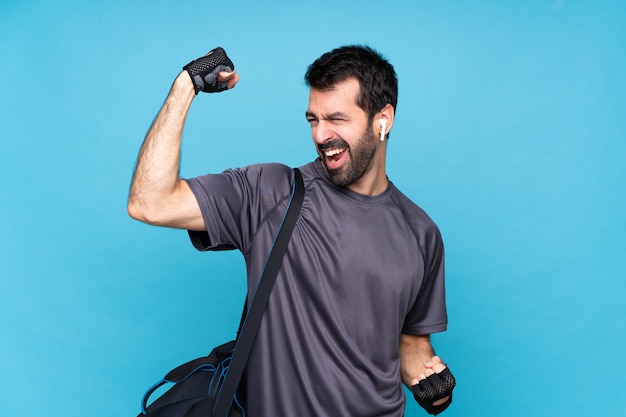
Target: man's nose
322 132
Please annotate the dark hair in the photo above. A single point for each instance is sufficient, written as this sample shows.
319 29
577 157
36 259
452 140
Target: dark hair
377 78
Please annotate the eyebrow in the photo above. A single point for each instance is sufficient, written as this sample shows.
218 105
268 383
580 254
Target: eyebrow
334 115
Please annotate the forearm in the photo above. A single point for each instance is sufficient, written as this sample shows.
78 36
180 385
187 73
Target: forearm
415 352
156 174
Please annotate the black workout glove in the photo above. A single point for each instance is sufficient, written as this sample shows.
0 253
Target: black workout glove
434 388
203 71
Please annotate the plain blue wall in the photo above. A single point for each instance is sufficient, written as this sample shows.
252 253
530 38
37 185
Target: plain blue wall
510 132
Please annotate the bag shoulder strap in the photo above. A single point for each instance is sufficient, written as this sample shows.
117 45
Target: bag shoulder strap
259 302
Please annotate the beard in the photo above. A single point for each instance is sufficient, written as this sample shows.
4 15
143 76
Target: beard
360 159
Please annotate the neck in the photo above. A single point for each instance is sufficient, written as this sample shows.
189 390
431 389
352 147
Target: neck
373 182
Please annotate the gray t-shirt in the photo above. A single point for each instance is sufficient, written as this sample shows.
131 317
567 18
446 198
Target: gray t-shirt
358 271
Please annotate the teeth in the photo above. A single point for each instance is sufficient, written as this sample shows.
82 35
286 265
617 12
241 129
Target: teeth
334 152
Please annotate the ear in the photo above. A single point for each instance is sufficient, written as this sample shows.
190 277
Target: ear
384 121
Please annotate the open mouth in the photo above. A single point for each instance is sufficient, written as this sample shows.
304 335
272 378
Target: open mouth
334 152
334 156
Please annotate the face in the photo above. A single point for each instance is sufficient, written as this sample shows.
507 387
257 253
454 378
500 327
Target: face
343 136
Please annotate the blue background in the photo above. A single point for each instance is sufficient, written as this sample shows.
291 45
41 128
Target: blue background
510 133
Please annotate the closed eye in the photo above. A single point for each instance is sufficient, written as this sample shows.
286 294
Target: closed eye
311 118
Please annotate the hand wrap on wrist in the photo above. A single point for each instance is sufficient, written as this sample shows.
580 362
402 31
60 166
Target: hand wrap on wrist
203 71
434 388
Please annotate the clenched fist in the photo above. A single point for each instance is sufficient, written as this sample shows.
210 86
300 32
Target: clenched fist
213 72
434 389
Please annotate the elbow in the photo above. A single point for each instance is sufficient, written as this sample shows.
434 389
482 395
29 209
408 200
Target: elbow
141 213
135 212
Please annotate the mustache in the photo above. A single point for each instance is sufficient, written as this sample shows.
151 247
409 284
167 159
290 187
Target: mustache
333 144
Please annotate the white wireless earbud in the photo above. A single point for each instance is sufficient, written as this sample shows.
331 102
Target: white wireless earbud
383 127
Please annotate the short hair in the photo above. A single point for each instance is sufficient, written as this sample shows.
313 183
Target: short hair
377 78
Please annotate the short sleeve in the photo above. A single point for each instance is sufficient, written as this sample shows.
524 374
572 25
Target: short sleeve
234 203
428 314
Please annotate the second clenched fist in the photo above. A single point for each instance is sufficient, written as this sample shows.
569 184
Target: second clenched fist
433 389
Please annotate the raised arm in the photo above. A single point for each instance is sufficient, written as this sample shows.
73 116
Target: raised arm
428 377
157 195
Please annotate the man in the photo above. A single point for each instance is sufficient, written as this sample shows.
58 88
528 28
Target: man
361 287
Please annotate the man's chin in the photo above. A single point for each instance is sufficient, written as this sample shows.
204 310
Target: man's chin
338 177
